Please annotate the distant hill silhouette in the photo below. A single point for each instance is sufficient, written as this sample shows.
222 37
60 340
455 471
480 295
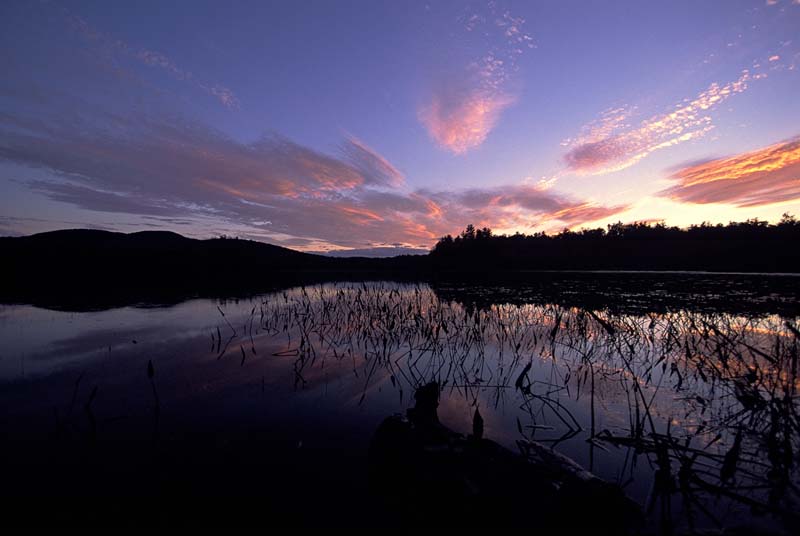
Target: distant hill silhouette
750 246
64 265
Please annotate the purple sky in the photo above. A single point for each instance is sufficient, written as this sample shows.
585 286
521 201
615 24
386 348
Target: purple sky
358 125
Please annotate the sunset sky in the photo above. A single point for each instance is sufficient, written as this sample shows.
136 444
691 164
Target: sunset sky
327 124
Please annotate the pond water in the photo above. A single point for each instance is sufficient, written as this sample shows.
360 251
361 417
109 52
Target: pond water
692 408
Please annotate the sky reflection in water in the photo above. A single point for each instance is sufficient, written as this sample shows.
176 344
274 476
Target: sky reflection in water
323 365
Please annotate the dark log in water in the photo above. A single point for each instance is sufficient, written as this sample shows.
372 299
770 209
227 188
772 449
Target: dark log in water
435 475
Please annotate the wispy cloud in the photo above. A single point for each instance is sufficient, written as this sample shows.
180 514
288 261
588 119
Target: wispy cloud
762 177
223 95
615 141
110 45
376 170
460 120
465 107
511 208
273 188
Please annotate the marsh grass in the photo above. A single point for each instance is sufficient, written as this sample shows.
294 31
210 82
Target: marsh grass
707 400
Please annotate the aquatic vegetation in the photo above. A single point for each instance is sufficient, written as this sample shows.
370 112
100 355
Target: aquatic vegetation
708 400
693 411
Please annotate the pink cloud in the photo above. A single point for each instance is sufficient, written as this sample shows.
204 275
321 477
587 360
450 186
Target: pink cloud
761 177
613 143
467 105
376 170
461 122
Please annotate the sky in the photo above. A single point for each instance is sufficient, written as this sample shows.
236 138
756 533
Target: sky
379 126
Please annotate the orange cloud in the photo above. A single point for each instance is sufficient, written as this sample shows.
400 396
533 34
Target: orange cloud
762 177
612 143
361 215
586 213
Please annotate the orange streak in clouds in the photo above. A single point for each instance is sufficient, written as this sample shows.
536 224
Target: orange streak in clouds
761 177
418 230
765 160
362 214
213 185
585 213
329 178
434 210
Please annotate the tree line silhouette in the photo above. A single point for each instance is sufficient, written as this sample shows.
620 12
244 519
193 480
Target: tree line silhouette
91 266
751 245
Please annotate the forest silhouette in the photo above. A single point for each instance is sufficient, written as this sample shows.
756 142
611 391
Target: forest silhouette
750 246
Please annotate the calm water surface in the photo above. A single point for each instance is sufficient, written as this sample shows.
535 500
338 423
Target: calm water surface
693 411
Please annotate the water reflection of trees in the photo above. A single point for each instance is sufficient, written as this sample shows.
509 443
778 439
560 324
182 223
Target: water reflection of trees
709 399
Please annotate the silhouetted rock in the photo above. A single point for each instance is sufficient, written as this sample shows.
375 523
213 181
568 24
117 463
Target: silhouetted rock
437 476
